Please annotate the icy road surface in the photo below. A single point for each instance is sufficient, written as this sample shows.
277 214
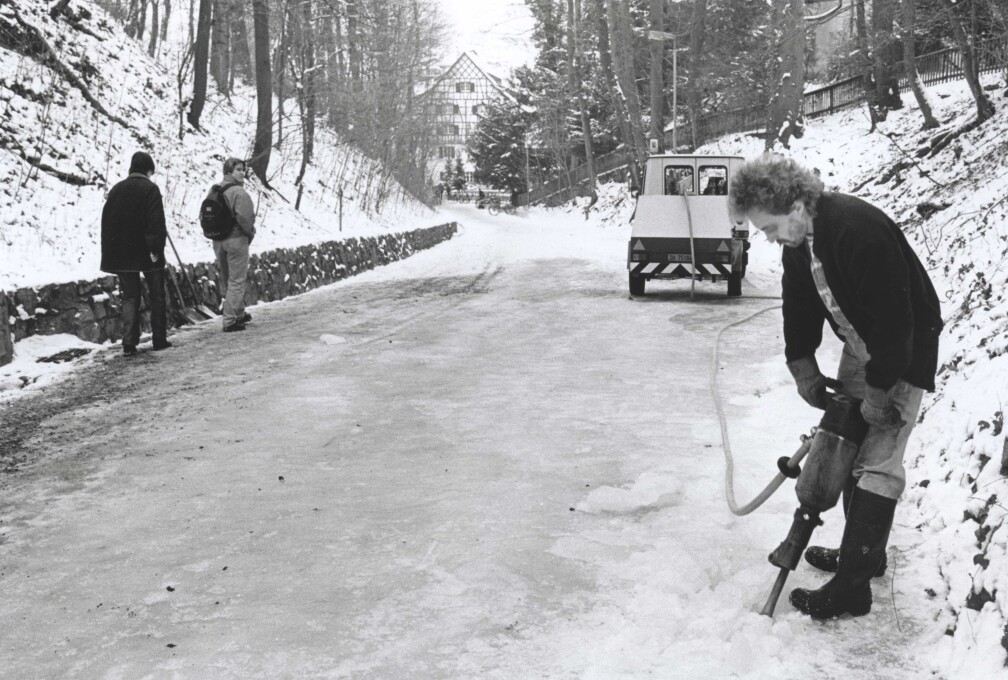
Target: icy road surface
486 461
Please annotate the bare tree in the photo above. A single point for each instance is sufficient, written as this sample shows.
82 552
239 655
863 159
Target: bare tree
200 62
264 92
573 25
695 84
152 45
306 84
622 52
910 63
618 103
787 73
220 45
885 55
875 113
985 109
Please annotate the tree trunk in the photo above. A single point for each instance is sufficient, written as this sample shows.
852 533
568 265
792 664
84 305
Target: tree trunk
280 69
999 15
165 19
622 53
200 62
264 92
573 14
886 56
154 33
787 74
131 18
330 49
985 109
141 20
910 64
657 49
695 84
867 79
353 45
220 48
308 79
249 31
618 103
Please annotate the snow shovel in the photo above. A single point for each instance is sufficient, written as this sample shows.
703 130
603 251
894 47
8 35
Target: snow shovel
200 310
188 313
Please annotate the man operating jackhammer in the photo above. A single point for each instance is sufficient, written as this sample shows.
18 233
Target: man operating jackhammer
847 263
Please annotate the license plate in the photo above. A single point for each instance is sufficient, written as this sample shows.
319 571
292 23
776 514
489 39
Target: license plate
678 258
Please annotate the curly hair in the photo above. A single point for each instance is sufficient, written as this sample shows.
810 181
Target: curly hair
773 183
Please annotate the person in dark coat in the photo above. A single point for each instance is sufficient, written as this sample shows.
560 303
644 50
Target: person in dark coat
133 241
846 263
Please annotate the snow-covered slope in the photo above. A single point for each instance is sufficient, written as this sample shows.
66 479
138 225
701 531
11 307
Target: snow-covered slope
80 113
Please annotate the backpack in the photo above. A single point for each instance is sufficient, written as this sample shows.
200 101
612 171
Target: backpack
215 215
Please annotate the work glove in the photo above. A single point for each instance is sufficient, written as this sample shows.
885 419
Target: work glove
811 383
877 409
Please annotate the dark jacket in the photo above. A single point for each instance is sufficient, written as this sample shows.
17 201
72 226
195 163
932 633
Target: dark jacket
133 227
880 286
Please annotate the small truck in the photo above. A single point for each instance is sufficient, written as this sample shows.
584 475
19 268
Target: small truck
681 228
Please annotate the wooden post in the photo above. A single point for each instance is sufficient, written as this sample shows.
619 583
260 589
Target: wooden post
341 209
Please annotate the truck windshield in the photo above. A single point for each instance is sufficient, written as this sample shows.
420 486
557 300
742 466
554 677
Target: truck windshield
678 180
713 180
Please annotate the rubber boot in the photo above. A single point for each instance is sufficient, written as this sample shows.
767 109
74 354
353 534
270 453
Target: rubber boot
826 558
866 534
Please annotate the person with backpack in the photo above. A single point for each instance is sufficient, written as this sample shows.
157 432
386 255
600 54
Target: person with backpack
227 216
133 238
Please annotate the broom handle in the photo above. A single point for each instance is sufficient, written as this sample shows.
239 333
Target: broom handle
192 289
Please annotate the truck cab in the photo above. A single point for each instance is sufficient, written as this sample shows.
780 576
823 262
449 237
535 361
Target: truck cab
681 227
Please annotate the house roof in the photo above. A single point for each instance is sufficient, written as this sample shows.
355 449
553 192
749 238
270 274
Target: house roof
466 59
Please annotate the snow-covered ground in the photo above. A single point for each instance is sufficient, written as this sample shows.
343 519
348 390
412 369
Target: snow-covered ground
950 543
324 541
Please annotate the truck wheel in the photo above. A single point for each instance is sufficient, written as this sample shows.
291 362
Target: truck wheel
636 285
735 284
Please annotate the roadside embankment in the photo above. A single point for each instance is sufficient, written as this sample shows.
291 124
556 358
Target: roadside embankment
90 309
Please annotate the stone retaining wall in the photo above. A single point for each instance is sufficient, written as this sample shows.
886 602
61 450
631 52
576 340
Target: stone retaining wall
90 309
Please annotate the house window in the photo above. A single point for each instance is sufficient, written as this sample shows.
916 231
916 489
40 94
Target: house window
465 86
455 108
446 151
475 109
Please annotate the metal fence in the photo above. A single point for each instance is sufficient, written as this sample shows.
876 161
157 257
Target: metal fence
936 67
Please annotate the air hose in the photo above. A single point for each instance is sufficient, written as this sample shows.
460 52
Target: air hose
692 252
792 463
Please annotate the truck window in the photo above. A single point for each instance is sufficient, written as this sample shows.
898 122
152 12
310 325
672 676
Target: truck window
678 180
713 180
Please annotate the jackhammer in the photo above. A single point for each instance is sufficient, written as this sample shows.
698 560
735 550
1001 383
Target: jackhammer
835 443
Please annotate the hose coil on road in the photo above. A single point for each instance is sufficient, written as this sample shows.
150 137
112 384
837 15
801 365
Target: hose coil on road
726 443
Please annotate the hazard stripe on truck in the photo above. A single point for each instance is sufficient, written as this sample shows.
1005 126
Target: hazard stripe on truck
679 269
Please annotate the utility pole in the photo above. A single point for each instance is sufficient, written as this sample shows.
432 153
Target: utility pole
657 48
659 38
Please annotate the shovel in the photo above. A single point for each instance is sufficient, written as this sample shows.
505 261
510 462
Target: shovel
188 313
200 310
